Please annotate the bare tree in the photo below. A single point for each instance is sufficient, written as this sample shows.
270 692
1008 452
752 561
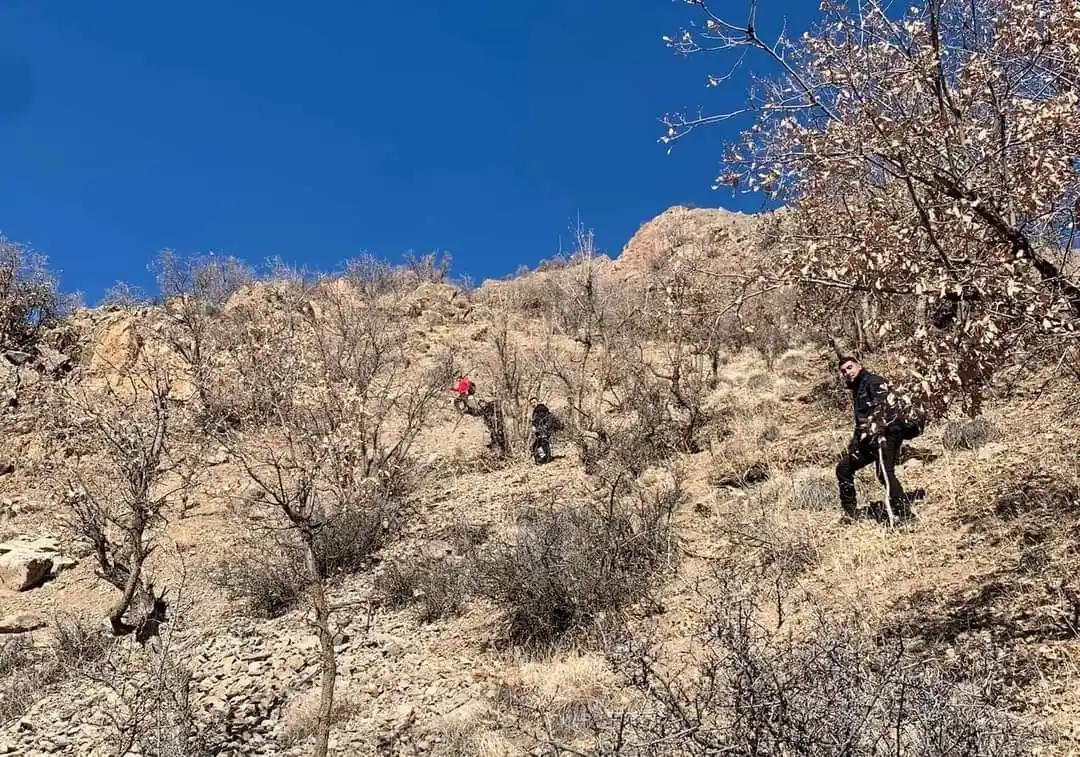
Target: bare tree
928 162
120 491
30 298
193 289
596 314
333 458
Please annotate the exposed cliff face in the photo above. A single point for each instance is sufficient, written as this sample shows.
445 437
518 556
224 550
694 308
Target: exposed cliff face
713 232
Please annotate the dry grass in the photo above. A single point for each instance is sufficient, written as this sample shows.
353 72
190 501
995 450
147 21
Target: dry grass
560 695
969 434
992 549
301 713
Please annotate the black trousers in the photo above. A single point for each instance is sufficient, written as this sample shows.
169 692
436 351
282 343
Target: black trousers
541 449
858 455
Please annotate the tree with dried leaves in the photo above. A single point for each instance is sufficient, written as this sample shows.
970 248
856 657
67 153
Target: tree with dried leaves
927 158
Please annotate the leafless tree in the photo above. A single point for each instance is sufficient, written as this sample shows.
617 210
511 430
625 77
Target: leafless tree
119 482
332 456
30 298
193 289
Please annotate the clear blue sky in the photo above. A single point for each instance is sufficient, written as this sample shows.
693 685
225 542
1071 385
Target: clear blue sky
318 130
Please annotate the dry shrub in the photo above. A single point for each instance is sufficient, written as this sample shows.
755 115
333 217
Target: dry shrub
744 457
464 536
831 689
814 490
760 546
437 587
656 420
30 297
265 581
270 582
563 691
25 675
968 434
29 672
572 565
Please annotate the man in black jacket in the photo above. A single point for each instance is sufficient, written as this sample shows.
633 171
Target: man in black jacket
879 432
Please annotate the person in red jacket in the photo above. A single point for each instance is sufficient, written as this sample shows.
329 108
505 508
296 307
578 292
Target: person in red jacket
464 389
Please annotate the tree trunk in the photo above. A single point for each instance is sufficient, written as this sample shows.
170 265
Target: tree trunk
131 585
326 649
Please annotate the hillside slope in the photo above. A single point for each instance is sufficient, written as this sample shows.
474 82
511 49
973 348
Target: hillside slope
981 585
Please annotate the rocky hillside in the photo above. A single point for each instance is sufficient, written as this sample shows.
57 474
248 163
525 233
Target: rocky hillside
677 568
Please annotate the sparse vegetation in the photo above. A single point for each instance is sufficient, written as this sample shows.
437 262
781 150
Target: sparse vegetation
571 564
294 434
30 298
968 434
815 490
119 494
832 690
437 587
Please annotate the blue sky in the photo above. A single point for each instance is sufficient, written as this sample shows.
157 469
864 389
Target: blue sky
319 130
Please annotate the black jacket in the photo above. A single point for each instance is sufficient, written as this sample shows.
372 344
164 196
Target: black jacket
544 421
869 400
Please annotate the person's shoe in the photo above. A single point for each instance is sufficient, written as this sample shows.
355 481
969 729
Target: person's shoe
903 516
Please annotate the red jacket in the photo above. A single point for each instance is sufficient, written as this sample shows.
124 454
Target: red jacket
463 385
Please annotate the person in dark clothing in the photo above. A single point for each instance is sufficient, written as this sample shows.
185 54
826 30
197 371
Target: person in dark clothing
490 412
544 425
879 432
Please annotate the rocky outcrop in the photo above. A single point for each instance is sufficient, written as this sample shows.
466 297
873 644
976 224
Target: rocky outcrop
27 562
680 230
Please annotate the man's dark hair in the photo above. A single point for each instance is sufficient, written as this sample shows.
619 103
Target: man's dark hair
846 359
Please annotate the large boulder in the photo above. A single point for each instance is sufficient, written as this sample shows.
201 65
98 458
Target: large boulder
20 571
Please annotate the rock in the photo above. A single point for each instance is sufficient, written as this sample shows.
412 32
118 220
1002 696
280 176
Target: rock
29 562
18 357
436 549
404 716
21 570
23 622
53 361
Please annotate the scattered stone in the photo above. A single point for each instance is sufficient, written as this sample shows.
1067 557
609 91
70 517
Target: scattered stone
18 357
436 549
53 361
23 622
